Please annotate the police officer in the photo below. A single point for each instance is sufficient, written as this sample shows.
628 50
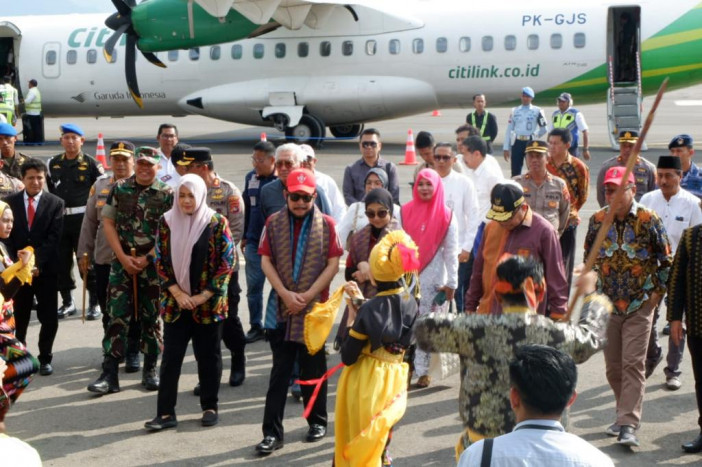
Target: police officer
93 248
571 119
71 175
135 205
11 159
484 121
225 198
682 147
526 122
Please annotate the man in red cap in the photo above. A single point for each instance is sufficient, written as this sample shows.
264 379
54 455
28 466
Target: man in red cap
300 268
632 265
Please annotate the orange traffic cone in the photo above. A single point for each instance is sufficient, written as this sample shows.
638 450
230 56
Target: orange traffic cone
264 138
436 113
410 153
100 152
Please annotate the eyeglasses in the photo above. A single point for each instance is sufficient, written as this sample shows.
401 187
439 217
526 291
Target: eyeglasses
369 144
295 197
168 136
382 213
287 164
443 158
257 161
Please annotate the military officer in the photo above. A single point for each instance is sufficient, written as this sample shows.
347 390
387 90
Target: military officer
135 205
681 146
526 122
11 160
225 198
70 177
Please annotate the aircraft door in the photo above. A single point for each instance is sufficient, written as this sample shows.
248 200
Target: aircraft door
51 60
624 43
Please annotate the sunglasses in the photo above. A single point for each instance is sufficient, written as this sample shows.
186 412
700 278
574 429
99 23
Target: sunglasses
443 158
295 197
382 213
287 164
369 144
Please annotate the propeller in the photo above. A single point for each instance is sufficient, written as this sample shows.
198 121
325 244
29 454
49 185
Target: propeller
121 23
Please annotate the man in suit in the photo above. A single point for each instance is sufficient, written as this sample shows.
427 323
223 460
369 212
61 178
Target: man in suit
38 223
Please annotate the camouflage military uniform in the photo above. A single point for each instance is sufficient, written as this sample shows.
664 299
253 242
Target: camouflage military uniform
135 210
11 166
9 185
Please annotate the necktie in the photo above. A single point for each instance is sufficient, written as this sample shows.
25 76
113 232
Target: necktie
30 211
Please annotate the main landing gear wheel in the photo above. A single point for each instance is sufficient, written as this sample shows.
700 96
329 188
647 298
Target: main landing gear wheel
350 130
310 131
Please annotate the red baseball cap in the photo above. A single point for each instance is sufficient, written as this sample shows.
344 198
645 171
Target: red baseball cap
302 180
614 175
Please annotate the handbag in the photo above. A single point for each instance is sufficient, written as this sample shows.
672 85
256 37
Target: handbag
442 365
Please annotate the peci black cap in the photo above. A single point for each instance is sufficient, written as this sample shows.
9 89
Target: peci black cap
505 198
669 162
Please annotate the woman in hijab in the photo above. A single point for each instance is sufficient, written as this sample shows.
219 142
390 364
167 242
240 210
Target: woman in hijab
372 390
355 218
21 365
433 228
378 208
195 253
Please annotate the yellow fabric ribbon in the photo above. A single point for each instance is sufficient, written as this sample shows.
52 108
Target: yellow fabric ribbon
320 320
23 272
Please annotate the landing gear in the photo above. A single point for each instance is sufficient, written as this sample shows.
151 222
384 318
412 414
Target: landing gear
349 130
310 131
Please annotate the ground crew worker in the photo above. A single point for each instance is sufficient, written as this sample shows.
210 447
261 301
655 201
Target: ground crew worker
135 204
571 119
526 122
71 175
11 160
34 121
9 100
484 121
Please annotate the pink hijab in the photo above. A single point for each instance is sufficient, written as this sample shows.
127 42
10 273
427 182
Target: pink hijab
427 221
186 229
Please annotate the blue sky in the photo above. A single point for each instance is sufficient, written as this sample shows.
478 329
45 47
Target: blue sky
53 7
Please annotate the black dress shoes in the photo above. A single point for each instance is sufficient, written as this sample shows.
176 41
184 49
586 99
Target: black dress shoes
94 313
45 369
67 309
693 446
161 423
254 334
268 445
315 433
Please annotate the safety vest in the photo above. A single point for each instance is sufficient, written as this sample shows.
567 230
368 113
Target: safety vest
483 126
7 103
35 105
565 120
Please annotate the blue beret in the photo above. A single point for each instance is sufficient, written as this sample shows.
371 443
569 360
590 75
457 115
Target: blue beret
528 91
680 141
71 128
7 130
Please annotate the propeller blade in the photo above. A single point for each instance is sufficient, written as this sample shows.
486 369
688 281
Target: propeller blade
123 8
130 70
151 57
112 41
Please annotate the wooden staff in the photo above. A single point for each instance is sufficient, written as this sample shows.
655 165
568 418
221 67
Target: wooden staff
618 197
85 282
134 289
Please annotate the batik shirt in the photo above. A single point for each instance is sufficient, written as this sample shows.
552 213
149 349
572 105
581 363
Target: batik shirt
576 174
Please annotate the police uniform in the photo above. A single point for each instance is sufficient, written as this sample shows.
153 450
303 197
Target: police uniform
11 165
551 198
572 120
692 179
9 185
71 180
526 122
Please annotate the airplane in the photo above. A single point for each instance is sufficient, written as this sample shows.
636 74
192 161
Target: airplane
304 65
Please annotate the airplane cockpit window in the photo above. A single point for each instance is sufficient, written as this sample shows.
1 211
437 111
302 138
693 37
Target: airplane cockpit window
418 46
91 56
556 41
72 57
303 49
215 52
325 48
532 42
347 48
371 47
51 57
464 44
280 50
441 45
487 43
172 55
258 51
510 42
579 40
194 54
237 52
394 46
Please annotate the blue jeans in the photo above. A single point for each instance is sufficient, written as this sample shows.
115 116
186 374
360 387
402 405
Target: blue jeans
254 284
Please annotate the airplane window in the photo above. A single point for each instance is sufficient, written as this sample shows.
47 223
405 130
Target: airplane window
303 49
92 56
464 44
194 54
556 41
237 52
325 48
71 57
347 48
533 42
510 42
172 55
418 46
394 46
280 50
51 57
215 52
258 50
441 44
371 47
487 43
579 40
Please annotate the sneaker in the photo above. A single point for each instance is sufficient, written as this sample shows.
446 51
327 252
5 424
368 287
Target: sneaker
613 429
673 383
627 436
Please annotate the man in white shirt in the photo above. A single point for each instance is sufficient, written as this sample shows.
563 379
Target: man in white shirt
543 381
678 209
167 137
336 198
483 170
461 198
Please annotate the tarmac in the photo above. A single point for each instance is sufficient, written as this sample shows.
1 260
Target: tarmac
71 427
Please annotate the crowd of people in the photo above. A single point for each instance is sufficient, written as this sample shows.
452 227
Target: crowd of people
474 264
